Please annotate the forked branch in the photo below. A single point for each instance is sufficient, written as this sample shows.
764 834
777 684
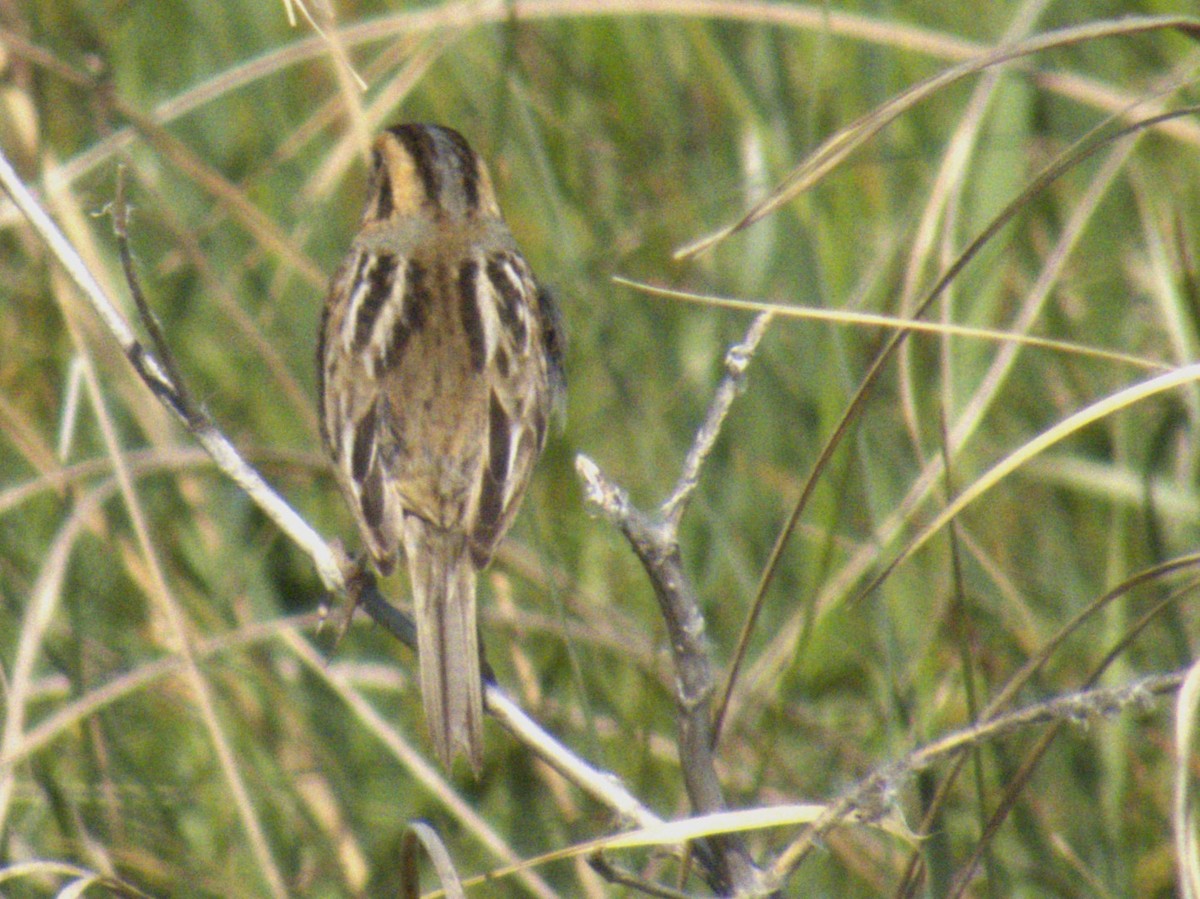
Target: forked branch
654 537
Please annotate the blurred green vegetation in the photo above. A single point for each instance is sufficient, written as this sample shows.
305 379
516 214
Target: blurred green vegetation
614 140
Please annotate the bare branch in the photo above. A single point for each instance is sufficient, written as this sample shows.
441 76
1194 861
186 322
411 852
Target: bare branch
736 361
163 386
120 214
655 540
602 786
873 796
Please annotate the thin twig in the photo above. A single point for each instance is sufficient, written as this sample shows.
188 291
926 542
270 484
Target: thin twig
736 361
1016 782
654 538
602 786
873 796
155 376
120 214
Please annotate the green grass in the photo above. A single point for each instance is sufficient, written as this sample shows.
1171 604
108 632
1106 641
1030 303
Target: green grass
615 140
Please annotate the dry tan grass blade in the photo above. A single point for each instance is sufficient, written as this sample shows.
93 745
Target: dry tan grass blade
833 151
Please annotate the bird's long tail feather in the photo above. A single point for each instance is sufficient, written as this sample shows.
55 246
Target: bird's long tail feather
443 586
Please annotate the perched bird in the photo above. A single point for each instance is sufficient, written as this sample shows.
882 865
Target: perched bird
439 365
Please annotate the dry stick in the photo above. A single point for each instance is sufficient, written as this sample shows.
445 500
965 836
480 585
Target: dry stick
872 796
120 214
602 786
159 381
1017 682
654 537
1017 782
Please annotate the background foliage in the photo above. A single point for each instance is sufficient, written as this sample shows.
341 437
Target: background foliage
614 139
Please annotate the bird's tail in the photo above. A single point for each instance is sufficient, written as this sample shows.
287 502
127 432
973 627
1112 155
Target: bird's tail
443 586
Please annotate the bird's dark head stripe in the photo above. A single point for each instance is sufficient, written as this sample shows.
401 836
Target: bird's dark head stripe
382 187
418 142
448 168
